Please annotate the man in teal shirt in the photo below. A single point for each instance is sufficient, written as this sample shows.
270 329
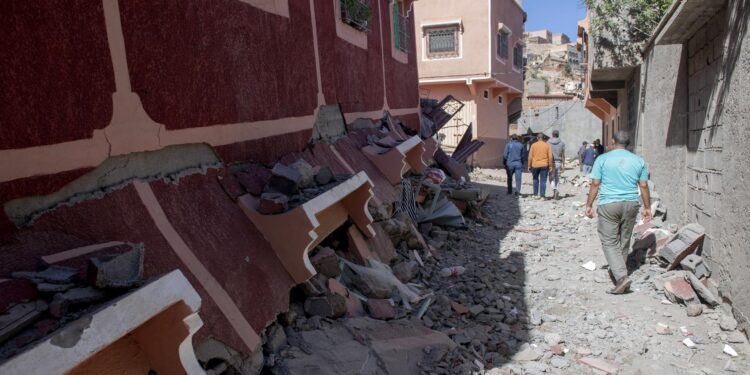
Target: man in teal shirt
617 177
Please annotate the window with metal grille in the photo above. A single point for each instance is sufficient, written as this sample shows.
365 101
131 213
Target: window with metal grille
442 42
502 44
518 56
356 13
400 29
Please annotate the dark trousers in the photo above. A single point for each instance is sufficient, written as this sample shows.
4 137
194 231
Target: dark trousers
511 170
540 180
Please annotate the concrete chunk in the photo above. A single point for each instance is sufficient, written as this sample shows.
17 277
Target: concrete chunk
285 180
324 176
117 271
306 172
326 262
53 274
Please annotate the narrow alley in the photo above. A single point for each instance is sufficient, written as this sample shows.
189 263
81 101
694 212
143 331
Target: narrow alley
531 300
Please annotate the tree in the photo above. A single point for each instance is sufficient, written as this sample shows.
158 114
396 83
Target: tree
621 27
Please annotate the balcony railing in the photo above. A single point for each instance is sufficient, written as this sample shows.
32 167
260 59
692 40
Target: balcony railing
356 13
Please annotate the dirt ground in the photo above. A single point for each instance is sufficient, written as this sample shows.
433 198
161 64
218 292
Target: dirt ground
523 305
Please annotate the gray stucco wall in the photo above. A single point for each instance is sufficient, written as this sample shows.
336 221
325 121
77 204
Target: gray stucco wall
575 123
661 137
710 184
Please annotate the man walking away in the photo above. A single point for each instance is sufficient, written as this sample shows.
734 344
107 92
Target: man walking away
514 155
540 162
558 153
587 160
617 178
583 148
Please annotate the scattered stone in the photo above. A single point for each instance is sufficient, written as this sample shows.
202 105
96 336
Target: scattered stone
275 339
727 323
459 308
331 305
689 343
694 310
599 364
326 262
591 266
77 296
476 309
324 176
53 288
557 349
527 354
284 179
552 339
53 274
663 329
558 362
406 271
273 203
117 271
306 172
381 309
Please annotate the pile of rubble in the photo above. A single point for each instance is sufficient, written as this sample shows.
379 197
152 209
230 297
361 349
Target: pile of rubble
39 302
284 187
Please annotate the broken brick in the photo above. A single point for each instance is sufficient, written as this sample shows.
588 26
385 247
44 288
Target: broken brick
353 304
381 309
687 241
459 308
250 183
557 349
326 262
331 305
273 203
677 289
230 184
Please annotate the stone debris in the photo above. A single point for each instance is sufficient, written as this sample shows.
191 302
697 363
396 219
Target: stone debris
53 274
19 317
117 271
599 364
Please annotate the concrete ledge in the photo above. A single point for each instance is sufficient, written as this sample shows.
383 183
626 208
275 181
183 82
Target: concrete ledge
396 161
294 233
149 328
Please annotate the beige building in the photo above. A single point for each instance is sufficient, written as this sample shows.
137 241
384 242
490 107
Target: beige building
474 53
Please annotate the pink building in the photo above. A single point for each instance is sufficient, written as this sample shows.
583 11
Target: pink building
474 53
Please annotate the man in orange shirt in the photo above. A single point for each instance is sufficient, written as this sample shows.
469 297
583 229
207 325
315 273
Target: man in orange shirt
541 162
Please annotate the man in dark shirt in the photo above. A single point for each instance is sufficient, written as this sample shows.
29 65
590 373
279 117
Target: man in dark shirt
513 159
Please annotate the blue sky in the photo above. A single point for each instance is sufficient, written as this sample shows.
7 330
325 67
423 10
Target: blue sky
559 16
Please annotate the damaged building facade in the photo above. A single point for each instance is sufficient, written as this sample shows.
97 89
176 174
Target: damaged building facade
683 97
175 162
474 54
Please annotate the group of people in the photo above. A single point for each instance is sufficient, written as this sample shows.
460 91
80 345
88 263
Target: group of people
619 179
588 153
545 159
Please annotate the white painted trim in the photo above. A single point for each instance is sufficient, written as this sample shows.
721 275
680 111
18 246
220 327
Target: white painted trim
458 21
113 322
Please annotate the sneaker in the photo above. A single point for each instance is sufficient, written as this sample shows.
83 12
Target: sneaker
556 195
622 287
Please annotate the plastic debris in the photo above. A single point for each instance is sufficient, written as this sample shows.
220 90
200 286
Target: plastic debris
591 266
